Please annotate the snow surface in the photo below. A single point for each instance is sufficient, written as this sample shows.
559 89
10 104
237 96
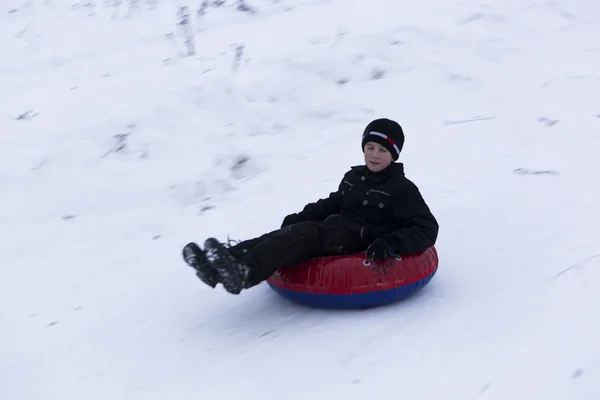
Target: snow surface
116 149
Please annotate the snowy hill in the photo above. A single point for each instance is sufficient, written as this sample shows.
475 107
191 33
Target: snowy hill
118 146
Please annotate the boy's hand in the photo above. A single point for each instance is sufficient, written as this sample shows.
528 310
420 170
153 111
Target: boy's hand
291 220
379 250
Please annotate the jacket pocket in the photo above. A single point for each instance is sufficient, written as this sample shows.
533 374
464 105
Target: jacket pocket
346 186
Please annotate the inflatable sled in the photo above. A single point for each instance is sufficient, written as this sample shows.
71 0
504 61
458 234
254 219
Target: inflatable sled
351 282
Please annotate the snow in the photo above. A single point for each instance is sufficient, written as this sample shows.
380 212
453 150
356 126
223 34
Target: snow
499 101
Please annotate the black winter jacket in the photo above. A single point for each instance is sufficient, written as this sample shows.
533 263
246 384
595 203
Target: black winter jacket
386 204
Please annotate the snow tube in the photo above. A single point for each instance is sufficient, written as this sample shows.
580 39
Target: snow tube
351 282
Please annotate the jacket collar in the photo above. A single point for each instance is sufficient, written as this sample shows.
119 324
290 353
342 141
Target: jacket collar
395 168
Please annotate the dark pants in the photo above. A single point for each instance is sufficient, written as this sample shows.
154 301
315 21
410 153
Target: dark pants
299 242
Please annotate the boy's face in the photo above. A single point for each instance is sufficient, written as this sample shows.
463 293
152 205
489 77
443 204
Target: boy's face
377 157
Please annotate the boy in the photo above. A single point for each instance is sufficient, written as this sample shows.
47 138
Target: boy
375 208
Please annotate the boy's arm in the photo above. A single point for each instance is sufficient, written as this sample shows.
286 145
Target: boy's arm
323 208
318 210
419 228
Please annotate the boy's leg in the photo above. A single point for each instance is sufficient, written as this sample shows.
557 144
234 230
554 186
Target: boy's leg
242 249
300 242
280 248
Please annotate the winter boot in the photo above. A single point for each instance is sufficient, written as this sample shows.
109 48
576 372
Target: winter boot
196 258
233 271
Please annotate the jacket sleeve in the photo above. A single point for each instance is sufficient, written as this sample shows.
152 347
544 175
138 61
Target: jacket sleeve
323 208
417 227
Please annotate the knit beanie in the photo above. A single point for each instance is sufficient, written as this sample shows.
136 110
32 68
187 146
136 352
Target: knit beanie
387 133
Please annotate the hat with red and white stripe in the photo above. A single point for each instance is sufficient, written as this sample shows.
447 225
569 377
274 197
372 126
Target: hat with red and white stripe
387 133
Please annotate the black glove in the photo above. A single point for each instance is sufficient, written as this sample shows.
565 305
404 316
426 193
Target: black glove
291 220
379 250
